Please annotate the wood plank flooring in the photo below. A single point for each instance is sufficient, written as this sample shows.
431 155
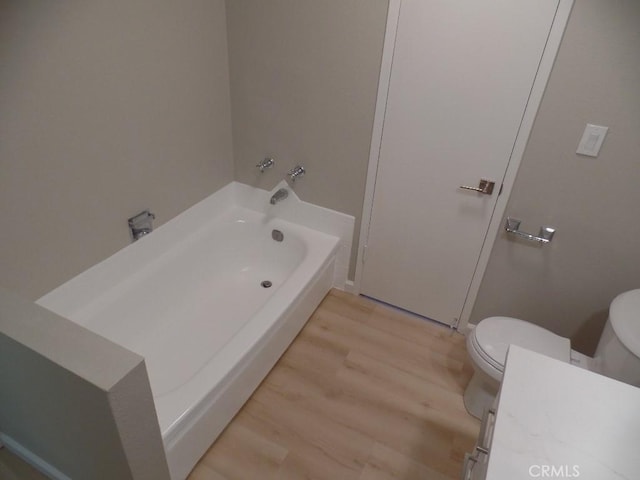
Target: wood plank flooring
365 392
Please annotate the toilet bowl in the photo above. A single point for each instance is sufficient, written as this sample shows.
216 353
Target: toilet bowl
617 354
487 346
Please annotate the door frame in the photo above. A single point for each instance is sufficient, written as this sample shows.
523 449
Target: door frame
535 98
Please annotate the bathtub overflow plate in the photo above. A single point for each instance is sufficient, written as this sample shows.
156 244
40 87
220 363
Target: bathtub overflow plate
266 283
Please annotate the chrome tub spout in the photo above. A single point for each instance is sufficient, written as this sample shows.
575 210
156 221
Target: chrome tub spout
279 196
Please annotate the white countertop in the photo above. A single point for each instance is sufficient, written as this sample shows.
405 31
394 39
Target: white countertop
556 420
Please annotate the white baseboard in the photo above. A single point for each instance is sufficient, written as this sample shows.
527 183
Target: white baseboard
31 458
350 287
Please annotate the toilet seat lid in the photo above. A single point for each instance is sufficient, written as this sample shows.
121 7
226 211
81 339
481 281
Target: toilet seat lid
624 314
495 334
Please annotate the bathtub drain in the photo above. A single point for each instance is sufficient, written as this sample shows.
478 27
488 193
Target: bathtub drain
266 283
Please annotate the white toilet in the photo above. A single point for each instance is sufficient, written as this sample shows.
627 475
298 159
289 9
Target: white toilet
617 354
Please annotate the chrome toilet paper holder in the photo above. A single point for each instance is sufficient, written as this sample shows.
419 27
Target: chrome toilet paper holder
545 235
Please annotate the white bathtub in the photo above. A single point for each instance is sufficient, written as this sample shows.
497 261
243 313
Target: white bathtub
189 299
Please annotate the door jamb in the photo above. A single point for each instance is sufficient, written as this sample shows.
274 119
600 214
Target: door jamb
393 16
535 98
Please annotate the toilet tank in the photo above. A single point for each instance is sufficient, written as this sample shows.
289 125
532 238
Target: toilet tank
618 352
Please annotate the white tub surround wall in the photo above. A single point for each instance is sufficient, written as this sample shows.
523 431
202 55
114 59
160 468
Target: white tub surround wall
72 403
188 298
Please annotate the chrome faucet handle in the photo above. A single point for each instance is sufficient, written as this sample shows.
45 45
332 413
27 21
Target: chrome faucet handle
295 172
265 163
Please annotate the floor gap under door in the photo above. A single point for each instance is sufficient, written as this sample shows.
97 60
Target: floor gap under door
452 327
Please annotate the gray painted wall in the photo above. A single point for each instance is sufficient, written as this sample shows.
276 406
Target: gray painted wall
106 108
593 202
304 78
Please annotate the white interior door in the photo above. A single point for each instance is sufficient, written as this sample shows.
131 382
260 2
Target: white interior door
461 77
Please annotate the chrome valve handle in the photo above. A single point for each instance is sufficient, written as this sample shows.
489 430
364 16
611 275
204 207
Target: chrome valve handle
265 163
296 172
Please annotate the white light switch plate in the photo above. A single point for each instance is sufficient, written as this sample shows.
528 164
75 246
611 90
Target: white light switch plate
592 139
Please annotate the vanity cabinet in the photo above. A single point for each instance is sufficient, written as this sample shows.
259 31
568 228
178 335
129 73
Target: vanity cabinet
475 463
555 420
